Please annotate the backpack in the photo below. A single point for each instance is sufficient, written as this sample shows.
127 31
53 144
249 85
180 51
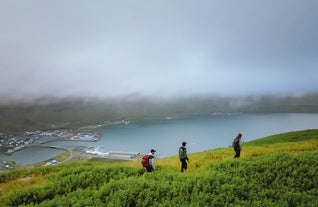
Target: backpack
145 160
235 144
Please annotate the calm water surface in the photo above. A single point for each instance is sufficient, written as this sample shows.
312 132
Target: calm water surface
201 133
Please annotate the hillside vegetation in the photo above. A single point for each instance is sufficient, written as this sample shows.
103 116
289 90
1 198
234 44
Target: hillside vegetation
280 170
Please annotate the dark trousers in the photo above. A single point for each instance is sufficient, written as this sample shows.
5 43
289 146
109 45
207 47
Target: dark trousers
149 169
184 164
237 152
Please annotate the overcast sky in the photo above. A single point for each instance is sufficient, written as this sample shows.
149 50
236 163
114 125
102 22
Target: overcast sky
167 48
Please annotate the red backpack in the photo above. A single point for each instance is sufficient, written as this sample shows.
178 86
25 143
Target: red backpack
145 160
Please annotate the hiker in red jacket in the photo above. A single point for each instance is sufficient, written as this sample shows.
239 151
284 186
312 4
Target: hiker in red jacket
148 161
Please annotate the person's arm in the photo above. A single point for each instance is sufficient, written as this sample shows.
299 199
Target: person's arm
186 154
152 162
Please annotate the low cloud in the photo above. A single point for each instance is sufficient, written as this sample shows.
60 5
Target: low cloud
164 49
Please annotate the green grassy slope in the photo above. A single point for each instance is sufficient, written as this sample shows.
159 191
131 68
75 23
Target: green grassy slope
298 136
280 170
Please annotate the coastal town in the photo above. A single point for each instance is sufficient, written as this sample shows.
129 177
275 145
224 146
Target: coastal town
10 144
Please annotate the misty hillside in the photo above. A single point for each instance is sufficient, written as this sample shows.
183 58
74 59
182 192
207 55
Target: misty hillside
21 116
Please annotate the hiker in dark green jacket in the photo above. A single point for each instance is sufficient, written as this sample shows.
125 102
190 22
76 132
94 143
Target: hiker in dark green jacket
183 157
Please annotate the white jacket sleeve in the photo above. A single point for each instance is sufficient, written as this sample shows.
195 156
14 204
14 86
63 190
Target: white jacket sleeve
152 162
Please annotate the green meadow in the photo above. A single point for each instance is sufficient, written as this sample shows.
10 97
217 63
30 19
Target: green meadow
279 170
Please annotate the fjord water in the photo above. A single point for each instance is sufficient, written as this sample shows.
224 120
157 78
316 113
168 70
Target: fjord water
201 133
